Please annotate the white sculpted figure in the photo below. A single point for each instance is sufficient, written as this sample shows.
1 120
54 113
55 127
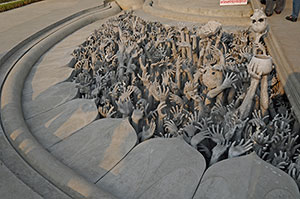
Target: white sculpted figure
259 67
259 24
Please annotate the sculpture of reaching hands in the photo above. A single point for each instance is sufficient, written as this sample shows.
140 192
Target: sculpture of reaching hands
205 85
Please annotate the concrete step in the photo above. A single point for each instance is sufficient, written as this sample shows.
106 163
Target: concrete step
204 8
199 11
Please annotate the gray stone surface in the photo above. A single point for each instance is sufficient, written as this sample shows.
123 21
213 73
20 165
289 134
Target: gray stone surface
199 11
12 188
25 173
29 19
62 53
272 194
55 125
157 168
97 148
51 68
246 177
49 99
205 8
130 4
283 45
37 82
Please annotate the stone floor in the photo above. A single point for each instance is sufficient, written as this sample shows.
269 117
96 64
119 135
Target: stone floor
11 187
286 33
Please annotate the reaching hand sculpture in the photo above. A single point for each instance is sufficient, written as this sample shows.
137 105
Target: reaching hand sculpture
106 112
136 116
239 149
171 127
125 107
213 80
245 108
200 84
204 132
217 152
147 134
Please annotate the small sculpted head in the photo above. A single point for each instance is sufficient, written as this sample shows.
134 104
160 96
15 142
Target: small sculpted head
258 21
212 78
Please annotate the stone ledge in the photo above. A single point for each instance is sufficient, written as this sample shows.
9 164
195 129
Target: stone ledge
204 8
288 78
164 13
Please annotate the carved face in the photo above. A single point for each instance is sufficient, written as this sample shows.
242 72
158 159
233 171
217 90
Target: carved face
141 104
258 21
212 78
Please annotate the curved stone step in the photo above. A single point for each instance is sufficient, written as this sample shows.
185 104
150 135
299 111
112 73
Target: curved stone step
97 148
196 14
25 173
49 99
157 168
204 7
52 68
37 82
246 177
61 122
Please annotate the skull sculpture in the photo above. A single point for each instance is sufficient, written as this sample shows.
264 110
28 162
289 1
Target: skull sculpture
258 21
212 78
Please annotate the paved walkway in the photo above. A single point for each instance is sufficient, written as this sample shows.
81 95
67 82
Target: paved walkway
287 34
18 24
18 190
284 46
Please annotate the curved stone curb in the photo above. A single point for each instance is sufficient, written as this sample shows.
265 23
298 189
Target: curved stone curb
97 148
246 177
16 128
130 4
166 168
8 178
220 11
164 13
25 173
49 99
288 78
